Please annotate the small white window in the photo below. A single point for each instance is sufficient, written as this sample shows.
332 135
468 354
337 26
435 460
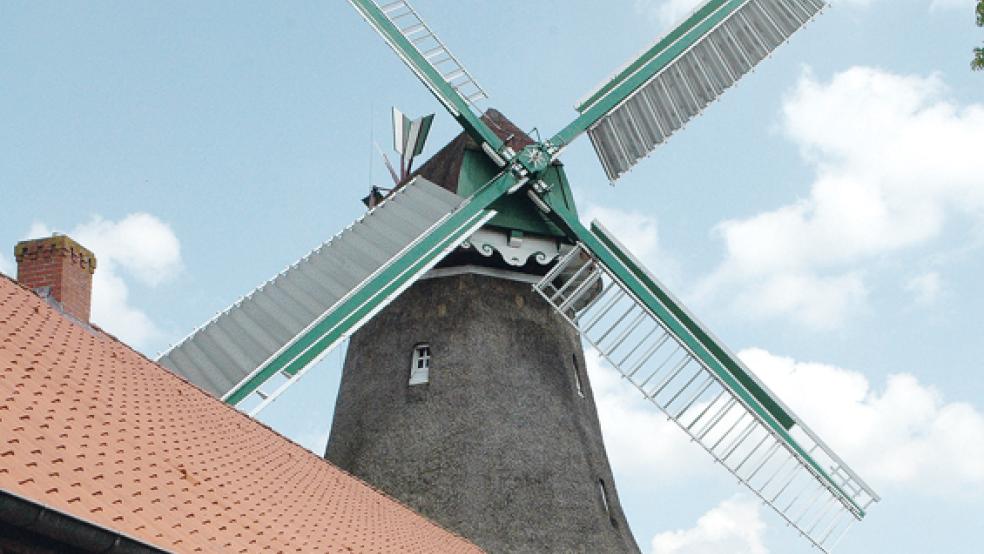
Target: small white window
420 364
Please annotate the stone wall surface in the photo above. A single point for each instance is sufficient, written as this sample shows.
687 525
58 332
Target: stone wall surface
498 446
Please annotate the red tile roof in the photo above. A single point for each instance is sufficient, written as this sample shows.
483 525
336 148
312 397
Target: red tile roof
91 428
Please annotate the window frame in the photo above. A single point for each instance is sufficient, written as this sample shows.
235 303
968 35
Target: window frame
420 364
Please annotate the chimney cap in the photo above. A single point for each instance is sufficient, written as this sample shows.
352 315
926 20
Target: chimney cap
56 241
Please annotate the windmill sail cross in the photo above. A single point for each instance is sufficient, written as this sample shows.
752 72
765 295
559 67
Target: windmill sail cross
672 82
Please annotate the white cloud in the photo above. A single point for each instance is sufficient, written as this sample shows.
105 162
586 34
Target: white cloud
818 301
639 233
925 288
903 435
735 526
139 245
895 161
7 267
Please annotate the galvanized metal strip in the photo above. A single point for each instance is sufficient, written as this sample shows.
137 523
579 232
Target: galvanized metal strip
312 341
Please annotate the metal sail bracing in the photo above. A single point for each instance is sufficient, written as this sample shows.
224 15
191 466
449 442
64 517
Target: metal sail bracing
672 82
647 335
431 61
284 326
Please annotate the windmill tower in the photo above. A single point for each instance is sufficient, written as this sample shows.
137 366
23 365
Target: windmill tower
461 403
466 398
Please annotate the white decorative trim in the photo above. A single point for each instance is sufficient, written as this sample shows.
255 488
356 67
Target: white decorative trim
481 270
516 249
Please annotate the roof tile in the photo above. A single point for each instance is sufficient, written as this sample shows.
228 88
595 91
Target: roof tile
94 429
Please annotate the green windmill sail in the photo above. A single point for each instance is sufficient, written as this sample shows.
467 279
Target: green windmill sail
263 343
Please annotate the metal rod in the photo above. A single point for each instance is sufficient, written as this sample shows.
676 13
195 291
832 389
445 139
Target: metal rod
655 115
561 264
820 494
768 456
834 524
746 432
757 446
676 371
779 32
619 320
629 329
706 384
595 300
833 502
792 476
739 47
714 420
660 367
700 65
730 429
581 289
724 62
389 7
650 353
850 524
638 344
797 497
754 33
698 373
782 466
686 84
611 304
707 408
672 103
572 279
793 9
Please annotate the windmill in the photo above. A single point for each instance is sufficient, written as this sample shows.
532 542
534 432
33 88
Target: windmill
408 267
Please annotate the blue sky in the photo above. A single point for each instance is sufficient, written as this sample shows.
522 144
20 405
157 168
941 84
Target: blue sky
825 217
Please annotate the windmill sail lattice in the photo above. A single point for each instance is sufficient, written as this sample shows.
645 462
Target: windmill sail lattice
431 61
286 324
656 345
401 14
686 71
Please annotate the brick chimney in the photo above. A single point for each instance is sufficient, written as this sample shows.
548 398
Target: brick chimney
60 269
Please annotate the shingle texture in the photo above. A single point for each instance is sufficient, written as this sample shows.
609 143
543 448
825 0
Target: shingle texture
91 428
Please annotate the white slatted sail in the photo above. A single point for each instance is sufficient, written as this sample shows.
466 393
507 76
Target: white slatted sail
236 344
784 464
681 88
